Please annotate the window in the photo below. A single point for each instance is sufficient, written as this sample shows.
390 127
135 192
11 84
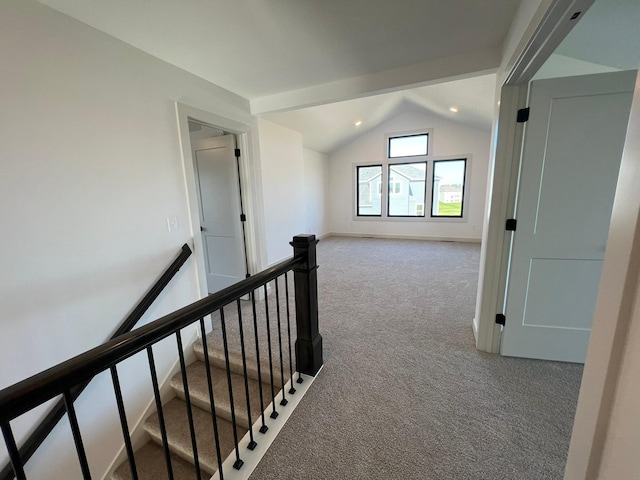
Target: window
448 187
409 182
368 204
406 189
408 145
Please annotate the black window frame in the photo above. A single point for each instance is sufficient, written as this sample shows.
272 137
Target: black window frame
421 134
389 166
358 214
464 186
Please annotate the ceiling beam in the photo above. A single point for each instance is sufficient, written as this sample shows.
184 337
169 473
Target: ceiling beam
409 76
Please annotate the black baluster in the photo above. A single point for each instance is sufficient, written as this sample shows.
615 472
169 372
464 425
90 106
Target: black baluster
252 444
187 399
238 463
274 414
283 402
286 293
77 438
123 422
263 428
159 409
14 454
212 401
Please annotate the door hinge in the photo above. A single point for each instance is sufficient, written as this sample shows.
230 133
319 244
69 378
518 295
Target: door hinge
237 152
511 225
501 319
523 115
243 217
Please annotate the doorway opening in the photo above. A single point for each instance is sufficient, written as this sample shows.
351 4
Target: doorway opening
216 165
568 57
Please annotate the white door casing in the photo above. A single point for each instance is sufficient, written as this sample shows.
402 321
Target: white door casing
218 193
571 157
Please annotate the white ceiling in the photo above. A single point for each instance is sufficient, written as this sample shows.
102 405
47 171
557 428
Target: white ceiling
275 49
328 127
258 48
607 38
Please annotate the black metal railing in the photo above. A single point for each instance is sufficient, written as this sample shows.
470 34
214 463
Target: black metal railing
44 428
62 379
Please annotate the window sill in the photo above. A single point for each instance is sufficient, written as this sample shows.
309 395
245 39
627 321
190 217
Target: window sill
411 219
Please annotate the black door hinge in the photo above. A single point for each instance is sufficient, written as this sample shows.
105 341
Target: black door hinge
511 225
523 115
243 217
237 152
501 319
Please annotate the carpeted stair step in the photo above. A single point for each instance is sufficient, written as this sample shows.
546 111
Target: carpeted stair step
179 436
216 357
151 465
199 392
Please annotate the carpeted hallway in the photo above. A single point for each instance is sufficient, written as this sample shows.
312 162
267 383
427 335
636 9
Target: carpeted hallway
404 394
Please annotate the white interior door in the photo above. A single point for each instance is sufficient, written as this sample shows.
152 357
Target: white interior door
572 149
219 203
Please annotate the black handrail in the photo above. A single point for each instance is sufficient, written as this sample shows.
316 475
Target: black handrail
44 428
33 391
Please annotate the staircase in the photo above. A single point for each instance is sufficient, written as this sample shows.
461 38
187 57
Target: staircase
216 399
150 458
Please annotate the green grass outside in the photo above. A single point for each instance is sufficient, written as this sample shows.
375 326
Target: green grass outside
453 209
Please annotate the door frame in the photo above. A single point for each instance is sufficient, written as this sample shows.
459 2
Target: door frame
618 291
508 137
249 185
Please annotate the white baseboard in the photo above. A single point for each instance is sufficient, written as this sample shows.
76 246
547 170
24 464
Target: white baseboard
405 237
474 327
251 458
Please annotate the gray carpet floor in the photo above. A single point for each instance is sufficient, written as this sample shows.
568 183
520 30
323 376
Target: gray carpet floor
404 394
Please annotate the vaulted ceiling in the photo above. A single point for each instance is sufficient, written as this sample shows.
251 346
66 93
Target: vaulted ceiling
329 127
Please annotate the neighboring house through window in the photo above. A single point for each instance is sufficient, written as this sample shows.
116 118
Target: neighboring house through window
369 201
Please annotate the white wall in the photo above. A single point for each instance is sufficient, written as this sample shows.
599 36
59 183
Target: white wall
281 159
558 66
90 169
449 138
316 184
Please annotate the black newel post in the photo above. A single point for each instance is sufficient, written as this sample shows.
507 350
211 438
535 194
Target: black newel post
309 341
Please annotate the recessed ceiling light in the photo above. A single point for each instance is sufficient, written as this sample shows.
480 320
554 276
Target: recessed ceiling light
358 123
453 109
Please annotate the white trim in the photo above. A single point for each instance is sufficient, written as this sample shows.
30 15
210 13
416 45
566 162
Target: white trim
264 441
248 180
474 327
553 25
502 183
